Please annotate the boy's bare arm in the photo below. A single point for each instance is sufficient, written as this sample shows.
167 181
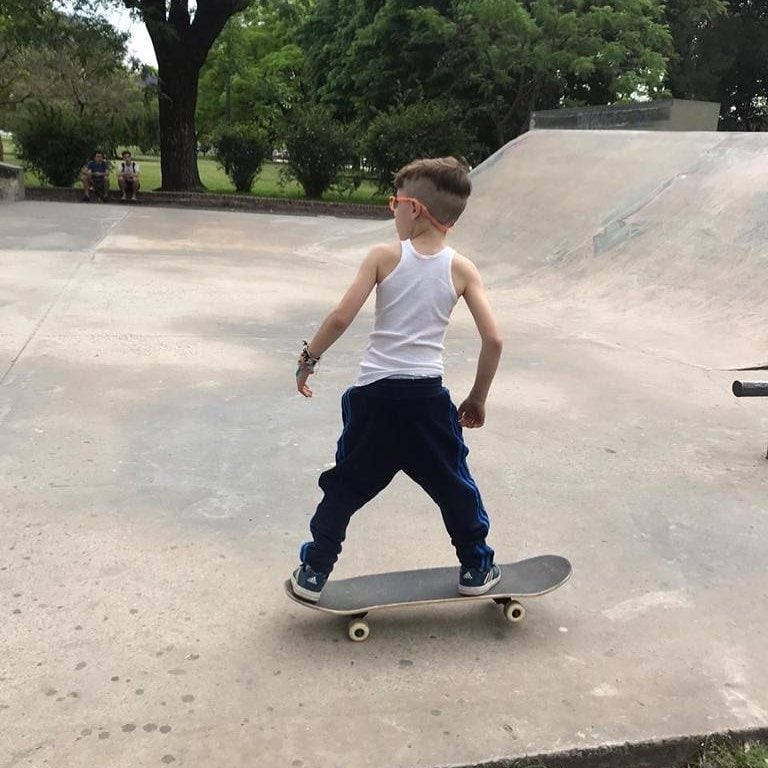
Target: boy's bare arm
341 317
472 410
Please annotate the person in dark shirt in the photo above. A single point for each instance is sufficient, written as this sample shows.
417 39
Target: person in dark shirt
95 177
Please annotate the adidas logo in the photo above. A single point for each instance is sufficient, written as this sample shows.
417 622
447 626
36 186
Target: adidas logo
312 580
467 575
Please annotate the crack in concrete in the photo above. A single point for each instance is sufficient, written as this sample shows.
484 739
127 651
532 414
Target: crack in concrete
38 325
89 256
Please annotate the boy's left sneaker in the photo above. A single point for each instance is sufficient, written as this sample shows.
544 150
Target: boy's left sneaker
476 581
308 583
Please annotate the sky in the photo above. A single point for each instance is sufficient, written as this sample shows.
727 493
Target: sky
139 44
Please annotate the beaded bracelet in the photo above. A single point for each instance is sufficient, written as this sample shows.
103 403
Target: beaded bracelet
306 361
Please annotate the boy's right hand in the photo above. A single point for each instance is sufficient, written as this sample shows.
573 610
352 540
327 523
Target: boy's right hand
472 413
303 372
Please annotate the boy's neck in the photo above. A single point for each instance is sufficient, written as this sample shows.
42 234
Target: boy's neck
428 241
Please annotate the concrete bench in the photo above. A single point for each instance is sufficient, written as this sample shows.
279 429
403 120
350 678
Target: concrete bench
11 183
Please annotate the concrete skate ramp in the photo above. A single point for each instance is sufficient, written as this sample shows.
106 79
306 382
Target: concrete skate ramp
645 239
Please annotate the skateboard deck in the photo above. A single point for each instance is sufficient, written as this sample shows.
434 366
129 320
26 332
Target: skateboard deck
358 596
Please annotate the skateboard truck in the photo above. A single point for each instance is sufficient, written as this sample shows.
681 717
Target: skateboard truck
751 389
358 629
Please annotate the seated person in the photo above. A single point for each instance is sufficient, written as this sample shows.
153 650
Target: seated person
128 176
95 177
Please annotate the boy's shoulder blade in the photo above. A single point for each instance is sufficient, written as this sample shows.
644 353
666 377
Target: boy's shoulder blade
463 264
385 256
385 250
463 272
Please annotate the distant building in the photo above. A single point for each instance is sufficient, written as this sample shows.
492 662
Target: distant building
661 115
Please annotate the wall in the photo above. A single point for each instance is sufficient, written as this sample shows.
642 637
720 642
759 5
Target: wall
662 115
11 183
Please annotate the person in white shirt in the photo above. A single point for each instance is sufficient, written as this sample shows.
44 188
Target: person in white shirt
128 176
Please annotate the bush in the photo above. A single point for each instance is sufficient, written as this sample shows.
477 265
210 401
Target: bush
55 143
241 149
424 129
318 149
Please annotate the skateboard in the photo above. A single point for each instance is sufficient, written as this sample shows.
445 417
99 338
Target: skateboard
358 596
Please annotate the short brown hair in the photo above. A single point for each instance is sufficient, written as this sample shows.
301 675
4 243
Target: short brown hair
441 183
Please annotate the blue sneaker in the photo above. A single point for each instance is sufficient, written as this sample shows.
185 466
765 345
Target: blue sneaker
308 583
476 581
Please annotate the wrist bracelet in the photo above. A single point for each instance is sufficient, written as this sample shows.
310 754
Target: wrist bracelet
306 360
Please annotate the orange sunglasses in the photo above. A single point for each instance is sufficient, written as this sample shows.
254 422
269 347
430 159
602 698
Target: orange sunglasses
420 209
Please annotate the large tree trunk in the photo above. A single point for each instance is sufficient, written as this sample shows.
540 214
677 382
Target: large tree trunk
177 95
181 45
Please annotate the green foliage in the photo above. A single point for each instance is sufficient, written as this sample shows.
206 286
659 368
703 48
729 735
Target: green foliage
687 20
727 61
143 126
55 143
318 148
23 20
75 64
397 57
241 150
620 50
405 133
143 130
518 57
254 70
494 60
365 57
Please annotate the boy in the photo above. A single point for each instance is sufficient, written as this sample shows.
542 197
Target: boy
95 176
128 176
398 416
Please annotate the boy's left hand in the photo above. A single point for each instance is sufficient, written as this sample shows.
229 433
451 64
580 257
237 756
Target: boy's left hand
471 414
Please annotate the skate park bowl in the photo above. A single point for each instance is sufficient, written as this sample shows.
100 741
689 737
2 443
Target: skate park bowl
159 472
659 239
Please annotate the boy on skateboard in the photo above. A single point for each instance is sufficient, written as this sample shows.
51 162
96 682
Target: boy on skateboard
398 416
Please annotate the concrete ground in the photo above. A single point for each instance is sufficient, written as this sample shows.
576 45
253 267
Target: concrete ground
158 471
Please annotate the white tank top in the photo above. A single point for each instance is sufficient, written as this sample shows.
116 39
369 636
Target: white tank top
413 305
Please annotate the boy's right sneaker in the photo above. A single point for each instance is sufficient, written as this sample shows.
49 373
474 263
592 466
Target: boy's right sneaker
308 583
476 581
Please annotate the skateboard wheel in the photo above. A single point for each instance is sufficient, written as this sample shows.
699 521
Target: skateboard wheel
513 611
358 630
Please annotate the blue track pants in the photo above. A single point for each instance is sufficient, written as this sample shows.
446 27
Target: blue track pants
388 426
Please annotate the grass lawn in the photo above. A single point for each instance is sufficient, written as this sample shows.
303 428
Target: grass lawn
730 756
267 183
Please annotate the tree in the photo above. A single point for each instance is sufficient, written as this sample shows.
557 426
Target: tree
327 37
722 56
182 39
73 65
688 20
254 71
19 21
740 41
495 60
507 62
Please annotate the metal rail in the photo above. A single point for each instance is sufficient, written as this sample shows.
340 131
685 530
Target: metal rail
751 389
